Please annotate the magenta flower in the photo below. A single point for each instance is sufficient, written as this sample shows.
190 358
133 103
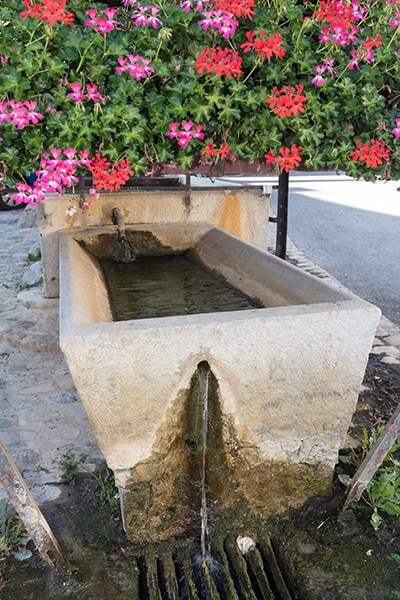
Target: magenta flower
318 79
137 66
77 95
327 65
92 93
185 134
339 36
20 113
396 22
102 24
28 194
396 130
222 20
198 5
144 17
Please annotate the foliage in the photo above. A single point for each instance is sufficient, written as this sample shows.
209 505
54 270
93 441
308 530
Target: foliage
35 256
69 464
108 494
199 80
13 536
383 491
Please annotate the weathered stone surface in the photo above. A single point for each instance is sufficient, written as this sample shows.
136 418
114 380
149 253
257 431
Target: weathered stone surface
244 212
288 374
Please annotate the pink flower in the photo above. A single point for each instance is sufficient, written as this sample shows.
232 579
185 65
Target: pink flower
396 130
396 22
318 79
76 93
142 16
28 194
327 65
222 20
92 93
102 24
198 5
21 113
137 66
187 132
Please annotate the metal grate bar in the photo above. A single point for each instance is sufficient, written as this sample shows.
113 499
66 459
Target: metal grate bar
227 575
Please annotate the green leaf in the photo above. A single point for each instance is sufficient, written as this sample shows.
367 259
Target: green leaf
344 479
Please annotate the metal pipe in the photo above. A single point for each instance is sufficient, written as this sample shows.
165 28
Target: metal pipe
282 215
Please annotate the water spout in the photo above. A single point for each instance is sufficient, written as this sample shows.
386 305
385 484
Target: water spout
118 219
128 253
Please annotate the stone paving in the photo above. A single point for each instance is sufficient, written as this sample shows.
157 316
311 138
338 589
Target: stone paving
41 416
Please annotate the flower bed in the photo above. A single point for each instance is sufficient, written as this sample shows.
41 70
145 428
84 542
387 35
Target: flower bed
196 84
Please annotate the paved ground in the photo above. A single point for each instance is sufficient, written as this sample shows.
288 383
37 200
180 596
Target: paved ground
41 416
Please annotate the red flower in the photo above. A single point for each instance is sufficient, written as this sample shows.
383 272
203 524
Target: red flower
371 42
209 150
373 154
240 8
224 151
49 11
337 13
264 47
288 159
106 178
224 61
288 101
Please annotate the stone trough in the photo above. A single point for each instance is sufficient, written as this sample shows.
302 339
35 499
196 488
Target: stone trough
285 375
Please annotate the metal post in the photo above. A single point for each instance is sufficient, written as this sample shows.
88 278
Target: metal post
282 215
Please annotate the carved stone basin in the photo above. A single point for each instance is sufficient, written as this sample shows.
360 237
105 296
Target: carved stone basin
286 373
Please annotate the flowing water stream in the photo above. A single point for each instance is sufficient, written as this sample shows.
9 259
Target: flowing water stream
205 547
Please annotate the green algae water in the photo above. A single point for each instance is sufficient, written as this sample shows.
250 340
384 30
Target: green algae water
165 286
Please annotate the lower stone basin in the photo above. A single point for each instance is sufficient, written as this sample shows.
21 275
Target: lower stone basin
286 373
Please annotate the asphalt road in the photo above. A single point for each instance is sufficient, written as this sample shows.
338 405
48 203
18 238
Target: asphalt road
351 229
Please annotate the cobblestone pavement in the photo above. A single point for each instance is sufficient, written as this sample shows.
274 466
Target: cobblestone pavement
41 416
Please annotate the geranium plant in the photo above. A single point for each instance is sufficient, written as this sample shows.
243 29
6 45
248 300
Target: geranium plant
128 87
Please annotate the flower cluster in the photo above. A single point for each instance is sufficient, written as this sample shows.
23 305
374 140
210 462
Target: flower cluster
327 65
19 113
223 152
104 21
185 135
79 93
146 15
287 159
340 18
158 85
108 177
221 61
373 154
266 48
221 20
49 11
240 8
137 66
288 101
58 172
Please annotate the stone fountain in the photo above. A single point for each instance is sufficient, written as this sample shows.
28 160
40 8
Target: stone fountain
251 404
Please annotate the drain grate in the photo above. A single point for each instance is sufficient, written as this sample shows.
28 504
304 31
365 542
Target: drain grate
238 570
